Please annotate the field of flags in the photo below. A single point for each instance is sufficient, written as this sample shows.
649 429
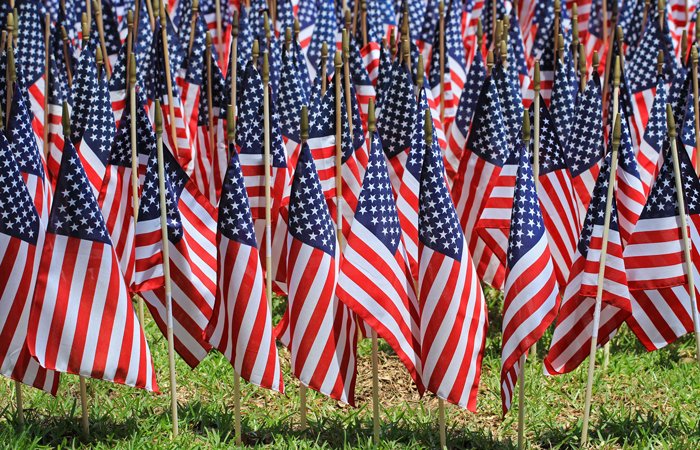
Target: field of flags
377 163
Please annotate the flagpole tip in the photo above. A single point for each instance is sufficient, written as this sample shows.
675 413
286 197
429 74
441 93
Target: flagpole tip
428 127
595 60
694 55
99 59
420 72
348 18
265 69
338 61
504 53
479 31
304 124
208 41
234 25
130 18
287 38
65 121
582 60
371 119
616 72
84 27
617 130
255 53
660 63
526 126
158 117
536 77
346 42
10 24
670 121
132 69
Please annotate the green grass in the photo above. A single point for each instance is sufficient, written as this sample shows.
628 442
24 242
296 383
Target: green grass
644 400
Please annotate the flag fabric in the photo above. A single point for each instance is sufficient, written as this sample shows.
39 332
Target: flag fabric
21 235
191 223
531 292
320 332
570 344
453 315
585 149
375 278
116 197
484 156
290 99
630 191
364 89
649 152
557 198
655 262
82 320
241 325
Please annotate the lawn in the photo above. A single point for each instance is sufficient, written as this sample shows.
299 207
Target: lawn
644 400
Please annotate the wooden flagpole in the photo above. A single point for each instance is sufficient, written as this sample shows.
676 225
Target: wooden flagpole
129 45
231 136
574 33
9 25
420 79
406 31
324 71
696 103
582 69
555 34
672 133
168 76
535 165
66 55
601 278
101 35
210 95
441 12
10 78
85 419
166 265
134 160
193 25
376 427
363 8
523 357
47 79
219 26
346 81
304 135
88 14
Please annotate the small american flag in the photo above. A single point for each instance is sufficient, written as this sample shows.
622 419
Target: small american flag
453 315
649 152
85 324
484 156
630 192
241 325
570 344
656 270
291 97
21 233
191 223
320 332
325 29
375 276
531 292
511 102
364 89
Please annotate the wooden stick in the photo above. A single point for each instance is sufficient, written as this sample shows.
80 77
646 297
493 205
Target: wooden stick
346 79
535 153
193 25
234 65
441 11
101 35
363 8
304 135
210 101
684 228
420 79
219 27
489 62
136 18
324 74
134 161
407 32
496 37
66 55
338 63
661 5
88 14
15 31
166 265
555 34
601 277
129 45
696 103
20 404
151 14
582 69
47 77
168 78
10 78
85 418
574 33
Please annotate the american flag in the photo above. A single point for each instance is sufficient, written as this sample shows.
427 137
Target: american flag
570 344
84 324
453 311
308 13
594 41
322 132
381 18
375 275
59 93
320 332
630 191
364 89
564 95
325 29
116 195
511 102
557 197
649 152
458 132
30 56
21 233
484 156
686 131
656 266
241 325
585 149
98 132
456 60
371 56
631 19
401 128
117 85
681 16
531 292
84 87
191 223
518 64
290 99
385 74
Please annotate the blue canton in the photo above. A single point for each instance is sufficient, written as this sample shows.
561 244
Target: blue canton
235 220
18 216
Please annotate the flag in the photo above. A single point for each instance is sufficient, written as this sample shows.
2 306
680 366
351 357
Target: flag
484 156
191 223
452 308
21 239
656 266
585 148
320 332
325 29
531 296
649 152
241 325
364 89
459 130
375 278
630 192
570 344
291 97
82 320
116 198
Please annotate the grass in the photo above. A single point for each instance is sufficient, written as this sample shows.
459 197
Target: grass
644 400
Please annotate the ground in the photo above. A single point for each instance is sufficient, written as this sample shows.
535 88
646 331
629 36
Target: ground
643 400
